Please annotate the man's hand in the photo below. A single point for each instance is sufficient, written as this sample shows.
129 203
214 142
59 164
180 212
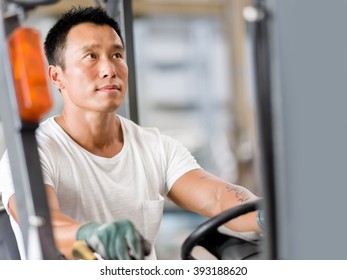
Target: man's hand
114 241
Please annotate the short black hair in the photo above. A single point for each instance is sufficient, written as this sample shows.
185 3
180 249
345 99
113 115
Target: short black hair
56 37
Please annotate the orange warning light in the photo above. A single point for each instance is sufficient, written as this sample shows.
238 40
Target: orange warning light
28 69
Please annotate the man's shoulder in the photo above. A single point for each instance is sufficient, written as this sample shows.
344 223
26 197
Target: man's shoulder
45 125
48 133
130 127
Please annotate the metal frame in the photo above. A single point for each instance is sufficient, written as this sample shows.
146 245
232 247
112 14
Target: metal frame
121 11
8 244
259 81
298 76
32 206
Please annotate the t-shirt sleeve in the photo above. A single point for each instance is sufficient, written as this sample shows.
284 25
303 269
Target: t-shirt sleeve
6 182
179 160
45 167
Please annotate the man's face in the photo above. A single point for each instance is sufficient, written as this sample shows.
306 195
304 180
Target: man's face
96 75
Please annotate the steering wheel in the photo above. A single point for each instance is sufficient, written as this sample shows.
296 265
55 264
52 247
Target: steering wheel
223 246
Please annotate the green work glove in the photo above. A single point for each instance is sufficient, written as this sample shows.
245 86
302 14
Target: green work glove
114 241
260 219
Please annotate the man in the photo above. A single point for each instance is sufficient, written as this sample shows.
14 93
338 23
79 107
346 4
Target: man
106 177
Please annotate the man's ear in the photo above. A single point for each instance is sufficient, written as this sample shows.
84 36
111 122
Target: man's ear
54 74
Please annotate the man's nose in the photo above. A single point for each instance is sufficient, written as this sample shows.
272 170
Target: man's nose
107 69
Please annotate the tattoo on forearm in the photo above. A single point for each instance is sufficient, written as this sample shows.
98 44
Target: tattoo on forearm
240 193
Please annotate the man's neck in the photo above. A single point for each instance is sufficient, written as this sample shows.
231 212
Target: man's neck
100 135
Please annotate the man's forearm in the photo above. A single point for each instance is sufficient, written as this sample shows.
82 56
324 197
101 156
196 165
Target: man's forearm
64 230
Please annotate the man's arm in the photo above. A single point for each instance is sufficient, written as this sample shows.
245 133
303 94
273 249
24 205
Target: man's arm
115 240
64 227
207 195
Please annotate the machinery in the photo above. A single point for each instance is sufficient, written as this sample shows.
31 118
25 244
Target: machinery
225 246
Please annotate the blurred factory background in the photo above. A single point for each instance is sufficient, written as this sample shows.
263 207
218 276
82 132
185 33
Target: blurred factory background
190 71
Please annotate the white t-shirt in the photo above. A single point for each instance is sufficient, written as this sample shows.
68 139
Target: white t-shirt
131 185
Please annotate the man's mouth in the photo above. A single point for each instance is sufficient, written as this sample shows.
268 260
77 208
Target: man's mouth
109 88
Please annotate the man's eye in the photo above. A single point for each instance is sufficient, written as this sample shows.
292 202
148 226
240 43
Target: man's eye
91 55
118 55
